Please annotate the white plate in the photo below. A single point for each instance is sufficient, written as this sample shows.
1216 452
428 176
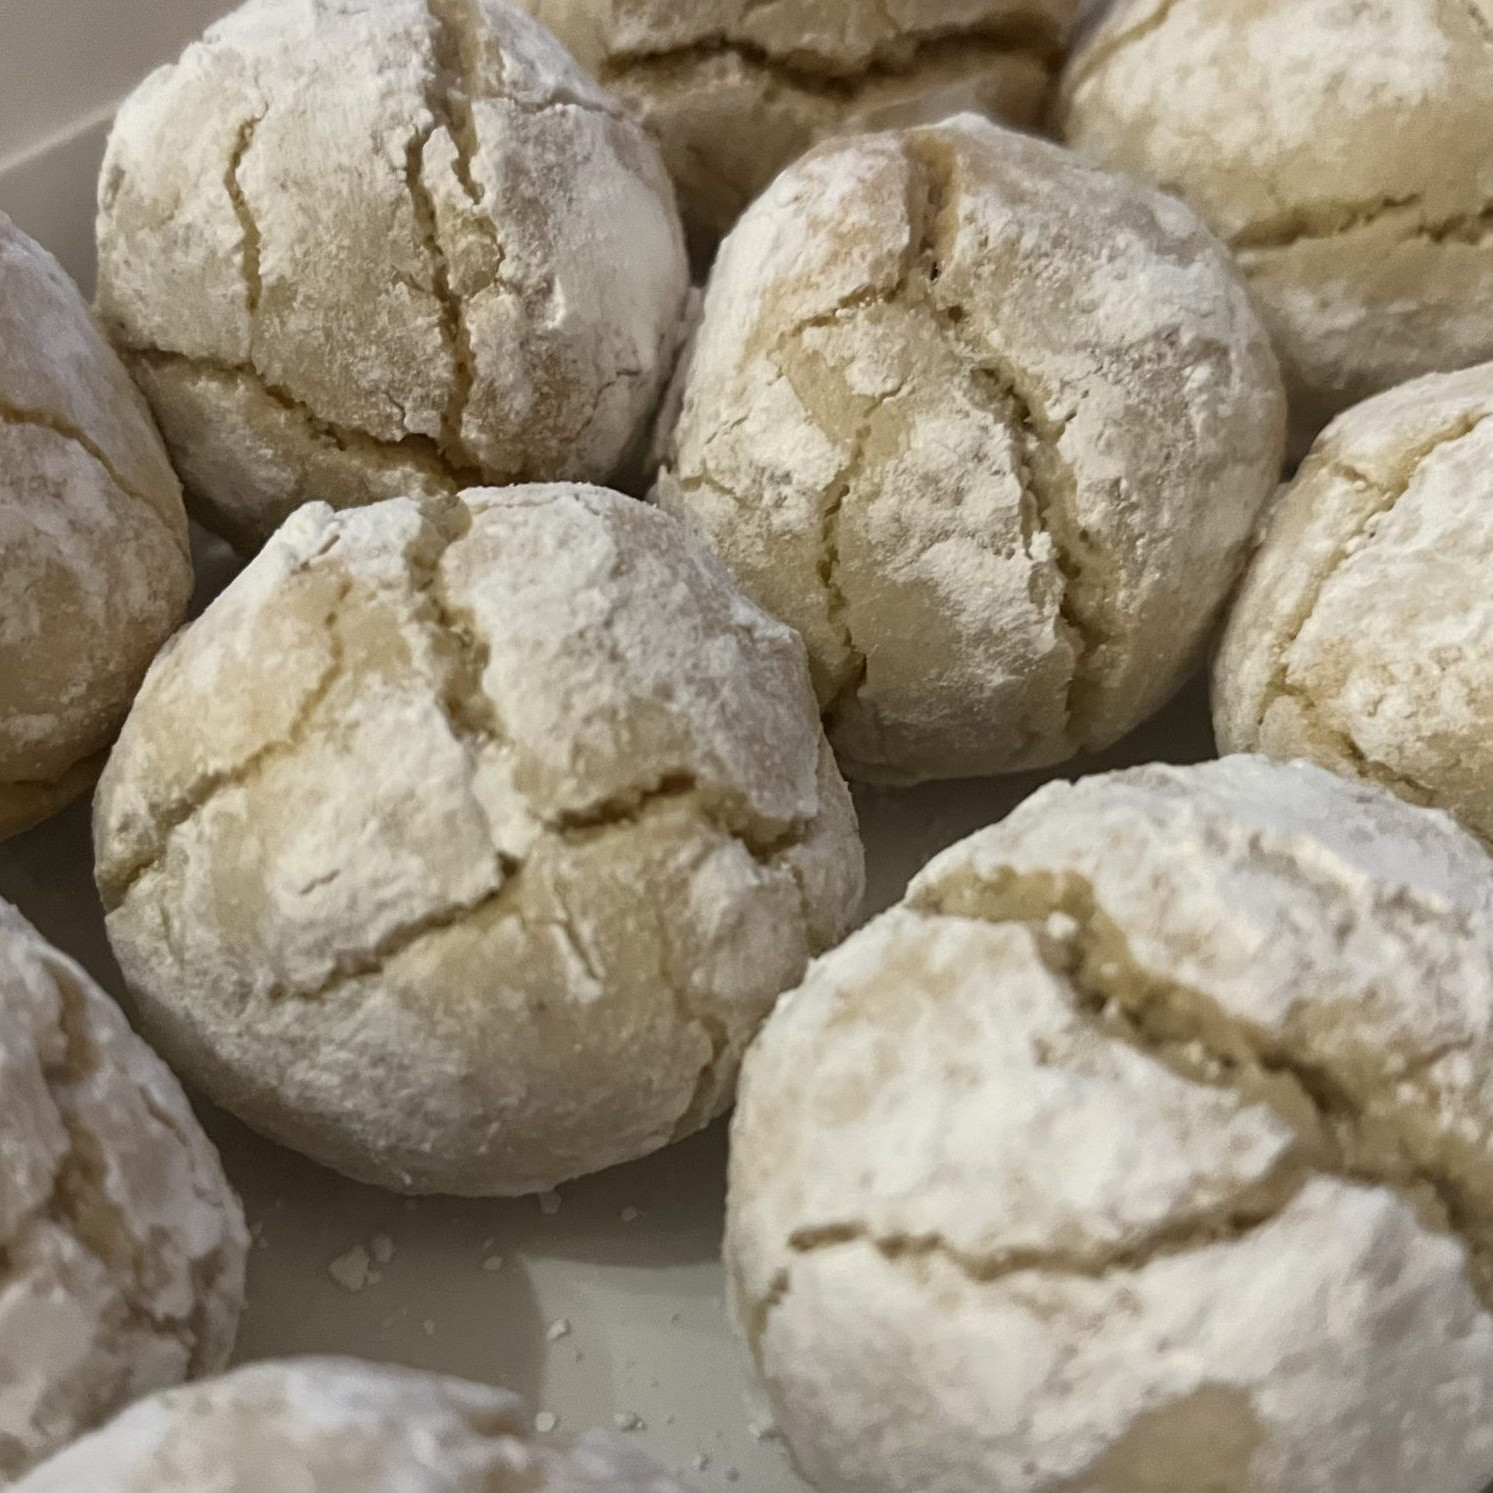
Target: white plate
629 1261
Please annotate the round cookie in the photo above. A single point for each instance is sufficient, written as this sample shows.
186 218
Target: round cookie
1148 1147
1363 635
122 1247
96 570
380 249
990 428
1340 149
339 1426
734 91
469 858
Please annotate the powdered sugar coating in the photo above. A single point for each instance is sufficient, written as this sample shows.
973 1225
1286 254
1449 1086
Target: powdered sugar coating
1361 636
96 571
359 250
1337 147
121 1246
990 429
733 91
1148 1145
339 1426
469 858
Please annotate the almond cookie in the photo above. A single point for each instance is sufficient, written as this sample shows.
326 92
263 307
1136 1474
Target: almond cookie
122 1247
383 248
990 428
1147 1147
1363 635
734 91
1339 148
96 571
468 855
339 1426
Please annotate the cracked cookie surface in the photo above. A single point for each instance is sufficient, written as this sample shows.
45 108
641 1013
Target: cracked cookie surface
341 1426
1338 148
734 90
1180 1070
1360 638
990 429
362 251
96 571
122 1247
466 854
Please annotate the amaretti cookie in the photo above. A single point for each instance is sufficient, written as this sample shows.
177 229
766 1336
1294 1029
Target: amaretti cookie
1147 1147
734 91
340 1426
466 853
1363 635
990 428
121 1245
381 249
96 573
1340 149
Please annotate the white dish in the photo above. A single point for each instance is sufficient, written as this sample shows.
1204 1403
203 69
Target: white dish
606 1310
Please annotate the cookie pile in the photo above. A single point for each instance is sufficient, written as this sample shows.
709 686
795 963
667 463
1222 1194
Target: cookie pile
637 419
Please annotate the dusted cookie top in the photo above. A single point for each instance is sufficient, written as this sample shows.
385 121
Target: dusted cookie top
1341 149
121 1246
371 250
990 428
95 572
734 91
1363 636
339 1426
468 856
1147 1147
